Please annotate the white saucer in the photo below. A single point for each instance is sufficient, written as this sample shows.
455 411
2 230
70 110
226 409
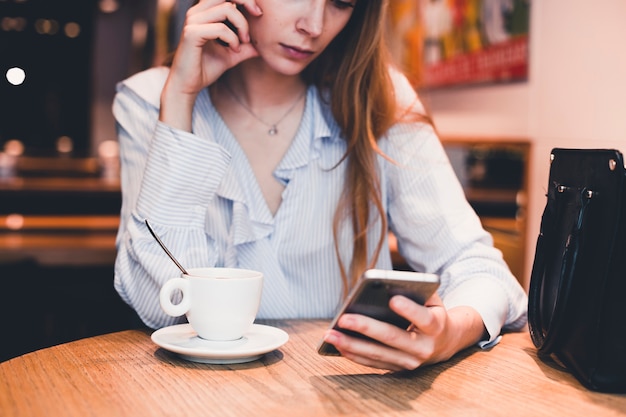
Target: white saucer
182 339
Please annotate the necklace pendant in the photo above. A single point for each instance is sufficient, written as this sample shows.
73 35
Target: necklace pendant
273 130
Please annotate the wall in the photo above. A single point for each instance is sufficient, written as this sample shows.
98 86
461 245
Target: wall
575 96
122 47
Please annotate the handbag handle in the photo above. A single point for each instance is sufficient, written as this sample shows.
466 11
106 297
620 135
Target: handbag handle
545 340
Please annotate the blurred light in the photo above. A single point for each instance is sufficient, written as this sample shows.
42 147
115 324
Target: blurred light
7 165
65 144
108 149
14 221
108 158
140 32
72 29
46 26
16 76
14 147
13 23
109 6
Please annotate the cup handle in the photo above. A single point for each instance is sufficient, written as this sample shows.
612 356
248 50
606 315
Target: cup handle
165 297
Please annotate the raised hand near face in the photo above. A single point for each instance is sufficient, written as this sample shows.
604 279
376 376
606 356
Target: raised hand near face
202 57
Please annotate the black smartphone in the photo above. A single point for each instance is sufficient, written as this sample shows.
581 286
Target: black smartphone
372 294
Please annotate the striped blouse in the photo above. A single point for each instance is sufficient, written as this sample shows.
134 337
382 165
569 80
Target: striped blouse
201 196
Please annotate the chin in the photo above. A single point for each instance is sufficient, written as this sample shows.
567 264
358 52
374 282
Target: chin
285 66
293 70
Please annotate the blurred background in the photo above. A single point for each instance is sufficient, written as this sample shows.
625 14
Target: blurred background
504 80
59 168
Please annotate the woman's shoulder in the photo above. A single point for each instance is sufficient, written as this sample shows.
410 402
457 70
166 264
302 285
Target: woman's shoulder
407 98
413 129
146 84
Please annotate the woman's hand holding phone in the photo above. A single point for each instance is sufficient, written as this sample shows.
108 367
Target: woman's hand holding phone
201 57
434 335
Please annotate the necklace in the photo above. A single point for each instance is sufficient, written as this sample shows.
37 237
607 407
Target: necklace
273 127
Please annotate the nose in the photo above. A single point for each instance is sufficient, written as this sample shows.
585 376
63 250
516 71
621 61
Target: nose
311 22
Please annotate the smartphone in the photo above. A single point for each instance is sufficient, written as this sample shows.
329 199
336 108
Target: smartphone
372 294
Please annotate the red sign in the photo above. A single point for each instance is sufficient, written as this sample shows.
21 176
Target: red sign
442 43
505 61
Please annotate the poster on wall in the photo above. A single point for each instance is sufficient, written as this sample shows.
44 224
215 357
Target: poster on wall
444 43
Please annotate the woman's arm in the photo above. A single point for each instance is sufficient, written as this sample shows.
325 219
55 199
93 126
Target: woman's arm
200 59
437 232
168 176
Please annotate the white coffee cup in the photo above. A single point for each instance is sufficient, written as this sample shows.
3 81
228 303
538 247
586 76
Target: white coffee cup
220 303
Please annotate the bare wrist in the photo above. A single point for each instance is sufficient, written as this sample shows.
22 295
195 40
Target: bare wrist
176 109
467 327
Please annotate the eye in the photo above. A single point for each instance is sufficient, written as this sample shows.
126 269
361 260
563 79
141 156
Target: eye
343 4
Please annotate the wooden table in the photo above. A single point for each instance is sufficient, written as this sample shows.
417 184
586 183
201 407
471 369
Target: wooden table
126 374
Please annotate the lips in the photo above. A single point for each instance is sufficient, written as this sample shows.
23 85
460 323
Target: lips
297 53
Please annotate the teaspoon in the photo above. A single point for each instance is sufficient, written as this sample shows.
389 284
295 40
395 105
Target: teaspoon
165 249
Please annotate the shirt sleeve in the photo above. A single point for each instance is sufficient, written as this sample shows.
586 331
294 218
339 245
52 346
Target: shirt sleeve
439 232
168 176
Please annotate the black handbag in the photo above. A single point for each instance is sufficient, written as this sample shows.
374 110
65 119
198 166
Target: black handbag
577 294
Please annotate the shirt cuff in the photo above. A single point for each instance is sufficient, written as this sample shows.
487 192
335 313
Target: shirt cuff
182 174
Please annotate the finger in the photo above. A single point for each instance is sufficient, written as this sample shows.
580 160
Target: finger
195 12
246 51
366 361
200 36
422 317
224 19
236 19
251 6
230 12
388 334
203 4
371 353
229 37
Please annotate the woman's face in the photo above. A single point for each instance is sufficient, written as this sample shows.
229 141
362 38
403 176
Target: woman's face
292 33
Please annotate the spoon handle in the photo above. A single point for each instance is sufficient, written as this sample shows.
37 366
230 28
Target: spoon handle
165 248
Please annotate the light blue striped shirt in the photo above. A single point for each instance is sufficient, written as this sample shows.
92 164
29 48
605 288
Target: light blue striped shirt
201 196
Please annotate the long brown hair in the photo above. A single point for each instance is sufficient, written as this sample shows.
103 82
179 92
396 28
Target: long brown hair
355 69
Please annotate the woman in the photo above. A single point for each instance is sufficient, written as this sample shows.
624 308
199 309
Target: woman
281 139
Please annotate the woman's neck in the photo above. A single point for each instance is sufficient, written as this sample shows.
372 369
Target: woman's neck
260 87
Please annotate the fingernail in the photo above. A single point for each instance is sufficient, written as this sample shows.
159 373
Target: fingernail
331 338
399 301
346 321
